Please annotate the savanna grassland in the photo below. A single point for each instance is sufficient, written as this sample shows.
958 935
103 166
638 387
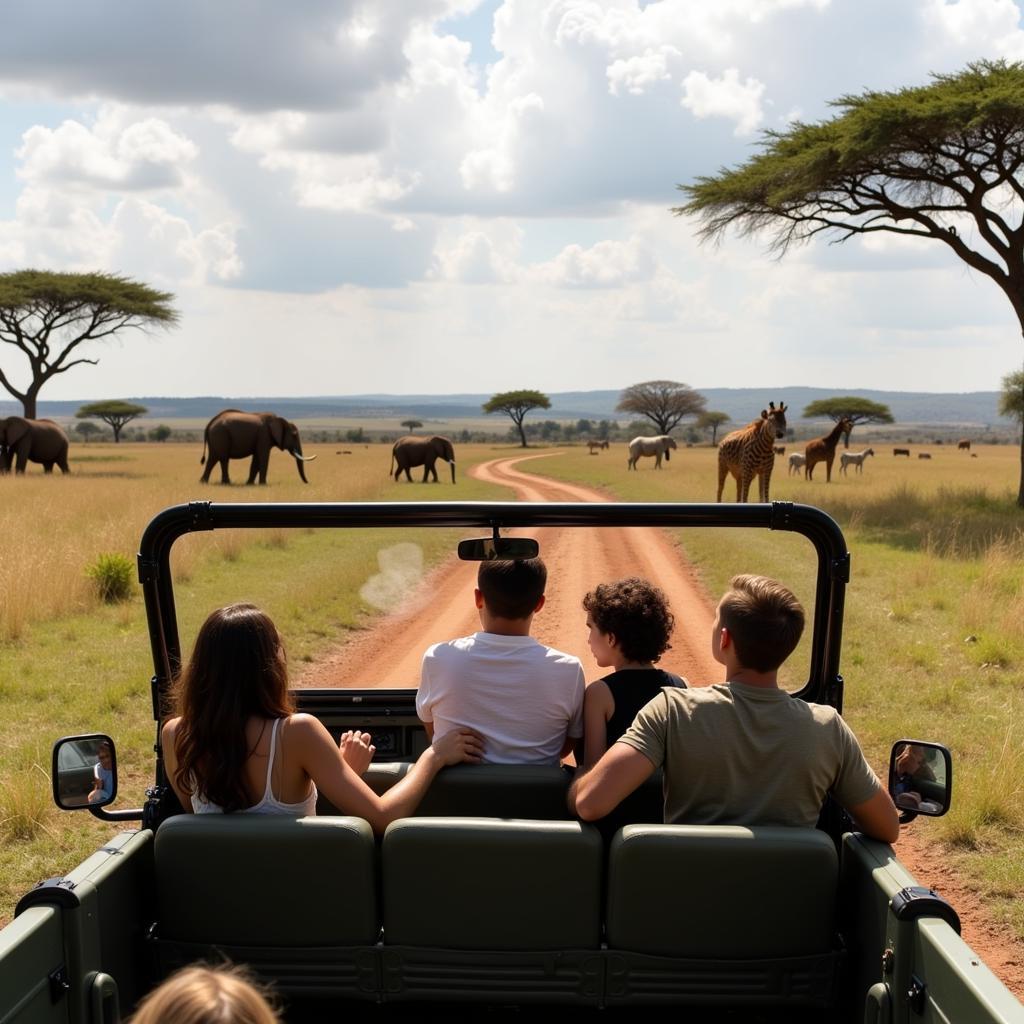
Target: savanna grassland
933 636
69 662
933 639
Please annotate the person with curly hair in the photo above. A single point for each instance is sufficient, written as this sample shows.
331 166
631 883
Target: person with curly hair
630 625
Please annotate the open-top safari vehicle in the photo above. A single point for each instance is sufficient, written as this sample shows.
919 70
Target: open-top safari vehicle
493 894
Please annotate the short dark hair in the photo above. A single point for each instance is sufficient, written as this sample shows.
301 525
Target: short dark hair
636 612
765 620
512 588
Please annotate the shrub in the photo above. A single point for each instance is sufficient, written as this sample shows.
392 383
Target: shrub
112 575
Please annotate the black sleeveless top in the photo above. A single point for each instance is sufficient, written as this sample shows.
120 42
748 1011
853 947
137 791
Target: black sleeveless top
631 689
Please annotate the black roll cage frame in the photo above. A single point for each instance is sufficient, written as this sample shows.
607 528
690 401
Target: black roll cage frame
824 684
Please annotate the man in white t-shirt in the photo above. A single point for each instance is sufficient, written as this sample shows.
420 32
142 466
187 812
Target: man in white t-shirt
526 699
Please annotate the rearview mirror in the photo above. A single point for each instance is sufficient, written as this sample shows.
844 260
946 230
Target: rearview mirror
484 549
920 778
84 771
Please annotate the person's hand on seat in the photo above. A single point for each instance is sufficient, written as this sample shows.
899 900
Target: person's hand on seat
357 750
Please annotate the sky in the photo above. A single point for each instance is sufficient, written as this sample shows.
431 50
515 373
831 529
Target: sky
437 196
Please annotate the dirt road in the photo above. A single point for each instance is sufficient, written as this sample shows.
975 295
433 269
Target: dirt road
442 606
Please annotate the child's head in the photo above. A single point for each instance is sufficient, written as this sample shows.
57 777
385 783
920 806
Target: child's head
764 619
634 615
512 588
206 995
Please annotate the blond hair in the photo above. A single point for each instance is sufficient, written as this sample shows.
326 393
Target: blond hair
206 995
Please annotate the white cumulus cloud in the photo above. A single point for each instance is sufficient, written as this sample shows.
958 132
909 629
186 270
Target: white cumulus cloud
608 264
725 97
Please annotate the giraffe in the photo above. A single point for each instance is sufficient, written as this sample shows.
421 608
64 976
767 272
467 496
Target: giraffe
823 449
750 452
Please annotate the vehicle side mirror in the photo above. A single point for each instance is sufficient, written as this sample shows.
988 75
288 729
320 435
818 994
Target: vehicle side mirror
84 772
920 778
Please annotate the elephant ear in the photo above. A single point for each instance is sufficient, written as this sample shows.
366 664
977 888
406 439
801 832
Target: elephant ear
17 428
277 431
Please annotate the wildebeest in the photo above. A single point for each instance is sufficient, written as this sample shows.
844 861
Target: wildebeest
923 455
780 449
963 445
901 451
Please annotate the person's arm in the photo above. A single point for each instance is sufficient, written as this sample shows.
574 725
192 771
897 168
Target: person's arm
597 791
598 707
428 728
877 817
323 762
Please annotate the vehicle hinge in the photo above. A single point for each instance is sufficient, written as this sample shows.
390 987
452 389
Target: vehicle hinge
841 568
59 984
51 890
149 571
915 994
919 901
780 515
202 517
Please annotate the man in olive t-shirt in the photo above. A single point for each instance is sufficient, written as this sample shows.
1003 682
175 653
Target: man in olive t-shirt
742 752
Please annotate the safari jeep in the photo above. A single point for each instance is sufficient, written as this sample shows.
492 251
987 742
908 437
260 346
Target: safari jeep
492 894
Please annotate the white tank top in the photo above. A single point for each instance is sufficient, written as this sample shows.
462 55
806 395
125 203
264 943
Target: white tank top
269 804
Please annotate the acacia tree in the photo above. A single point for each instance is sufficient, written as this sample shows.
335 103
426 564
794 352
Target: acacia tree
663 402
48 316
712 420
411 425
517 404
943 161
115 414
849 407
1011 403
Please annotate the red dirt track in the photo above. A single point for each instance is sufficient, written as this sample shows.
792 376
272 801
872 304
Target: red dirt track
442 608
577 560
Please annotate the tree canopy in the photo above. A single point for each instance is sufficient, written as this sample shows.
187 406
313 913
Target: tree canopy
849 407
1011 403
411 425
712 420
47 316
517 404
663 402
943 161
114 413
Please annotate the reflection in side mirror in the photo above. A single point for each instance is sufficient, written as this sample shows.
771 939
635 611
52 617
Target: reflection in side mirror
84 771
921 778
484 549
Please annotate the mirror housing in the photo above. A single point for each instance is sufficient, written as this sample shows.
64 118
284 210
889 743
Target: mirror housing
920 778
484 549
84 772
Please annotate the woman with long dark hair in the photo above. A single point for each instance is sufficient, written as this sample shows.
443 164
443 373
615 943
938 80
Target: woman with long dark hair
237 745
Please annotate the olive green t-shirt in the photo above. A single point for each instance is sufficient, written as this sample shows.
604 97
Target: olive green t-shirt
746 755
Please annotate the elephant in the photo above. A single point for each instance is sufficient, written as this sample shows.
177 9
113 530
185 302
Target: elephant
421 451
233 434
656 446
32 441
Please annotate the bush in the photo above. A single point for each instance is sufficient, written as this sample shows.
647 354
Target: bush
112 575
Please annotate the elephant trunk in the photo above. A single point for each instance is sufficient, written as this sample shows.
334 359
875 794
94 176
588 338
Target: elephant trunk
299 460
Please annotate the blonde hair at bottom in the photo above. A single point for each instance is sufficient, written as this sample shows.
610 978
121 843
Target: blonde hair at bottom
206 995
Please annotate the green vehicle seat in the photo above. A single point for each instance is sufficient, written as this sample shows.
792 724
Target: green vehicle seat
296 899
494 910
722 914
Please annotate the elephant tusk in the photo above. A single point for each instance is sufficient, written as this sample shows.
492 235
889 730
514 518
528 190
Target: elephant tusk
302 458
